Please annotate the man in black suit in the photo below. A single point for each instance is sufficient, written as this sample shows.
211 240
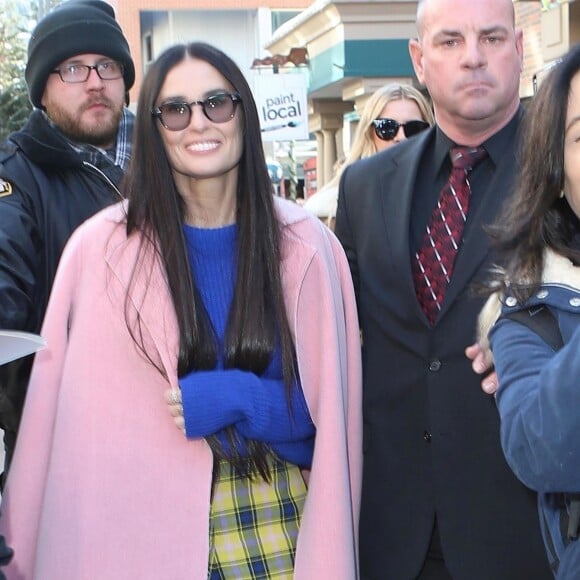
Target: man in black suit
439 500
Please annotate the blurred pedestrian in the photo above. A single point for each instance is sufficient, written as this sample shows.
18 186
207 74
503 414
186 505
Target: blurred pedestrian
393 113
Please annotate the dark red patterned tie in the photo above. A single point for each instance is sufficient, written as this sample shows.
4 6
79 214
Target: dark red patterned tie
433 263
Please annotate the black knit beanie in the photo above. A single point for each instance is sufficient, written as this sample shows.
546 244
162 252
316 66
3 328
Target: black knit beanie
75 27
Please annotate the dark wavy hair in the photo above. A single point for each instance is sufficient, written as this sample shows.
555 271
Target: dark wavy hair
257 323
536 216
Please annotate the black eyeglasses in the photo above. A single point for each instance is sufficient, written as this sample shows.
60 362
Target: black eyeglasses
218 108
387 129
108 70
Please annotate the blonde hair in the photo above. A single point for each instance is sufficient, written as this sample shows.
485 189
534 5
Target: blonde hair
363 144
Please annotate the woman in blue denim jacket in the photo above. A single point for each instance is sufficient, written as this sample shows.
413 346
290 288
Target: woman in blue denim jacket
538 240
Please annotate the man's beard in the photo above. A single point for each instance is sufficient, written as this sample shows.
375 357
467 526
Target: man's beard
99 134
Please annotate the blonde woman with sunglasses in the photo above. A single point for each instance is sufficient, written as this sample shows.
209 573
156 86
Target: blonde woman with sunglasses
393 113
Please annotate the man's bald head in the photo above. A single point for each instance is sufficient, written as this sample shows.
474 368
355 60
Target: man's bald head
422 4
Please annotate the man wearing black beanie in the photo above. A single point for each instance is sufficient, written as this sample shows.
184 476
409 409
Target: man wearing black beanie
60 168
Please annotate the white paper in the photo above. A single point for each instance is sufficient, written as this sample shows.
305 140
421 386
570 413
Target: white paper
16 344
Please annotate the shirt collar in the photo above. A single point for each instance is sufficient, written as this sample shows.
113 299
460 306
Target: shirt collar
497 146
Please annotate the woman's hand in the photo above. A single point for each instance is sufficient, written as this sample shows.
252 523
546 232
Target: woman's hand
173 399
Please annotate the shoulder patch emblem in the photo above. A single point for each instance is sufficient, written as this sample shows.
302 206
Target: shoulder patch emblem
5 188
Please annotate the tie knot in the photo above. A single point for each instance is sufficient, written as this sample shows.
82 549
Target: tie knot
466 157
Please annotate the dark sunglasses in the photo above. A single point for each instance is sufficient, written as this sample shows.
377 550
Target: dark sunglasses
218 108
387 129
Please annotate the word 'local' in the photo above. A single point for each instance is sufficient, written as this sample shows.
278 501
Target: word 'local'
281 108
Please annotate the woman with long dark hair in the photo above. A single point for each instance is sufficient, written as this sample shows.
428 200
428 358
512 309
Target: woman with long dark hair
206 304
535 306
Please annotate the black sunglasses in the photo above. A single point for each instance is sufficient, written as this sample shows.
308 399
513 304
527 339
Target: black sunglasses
387 129
218 108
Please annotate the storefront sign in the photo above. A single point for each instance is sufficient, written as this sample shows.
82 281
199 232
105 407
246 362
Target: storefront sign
282 106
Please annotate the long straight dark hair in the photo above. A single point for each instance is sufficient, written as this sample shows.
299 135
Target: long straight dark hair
257 323
536 216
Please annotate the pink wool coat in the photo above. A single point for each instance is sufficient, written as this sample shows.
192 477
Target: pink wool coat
103 486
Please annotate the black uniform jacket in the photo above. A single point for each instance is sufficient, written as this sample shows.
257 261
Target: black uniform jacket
47 189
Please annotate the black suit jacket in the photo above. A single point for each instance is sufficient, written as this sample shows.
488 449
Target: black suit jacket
431 440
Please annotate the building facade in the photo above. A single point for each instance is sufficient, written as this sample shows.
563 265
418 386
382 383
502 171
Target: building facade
241 28
353 47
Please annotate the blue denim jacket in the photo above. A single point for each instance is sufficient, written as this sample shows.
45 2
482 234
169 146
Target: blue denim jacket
539 404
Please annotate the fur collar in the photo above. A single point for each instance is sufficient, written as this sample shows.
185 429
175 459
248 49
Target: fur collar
557 270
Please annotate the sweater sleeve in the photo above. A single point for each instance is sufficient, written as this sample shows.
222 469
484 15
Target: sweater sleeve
538 400
257 407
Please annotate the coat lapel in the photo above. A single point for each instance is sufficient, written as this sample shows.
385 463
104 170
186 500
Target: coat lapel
399 180
149 304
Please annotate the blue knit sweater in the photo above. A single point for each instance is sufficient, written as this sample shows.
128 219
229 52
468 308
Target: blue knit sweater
256 406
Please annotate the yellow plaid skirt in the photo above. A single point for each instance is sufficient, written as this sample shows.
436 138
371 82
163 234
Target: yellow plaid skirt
254 524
